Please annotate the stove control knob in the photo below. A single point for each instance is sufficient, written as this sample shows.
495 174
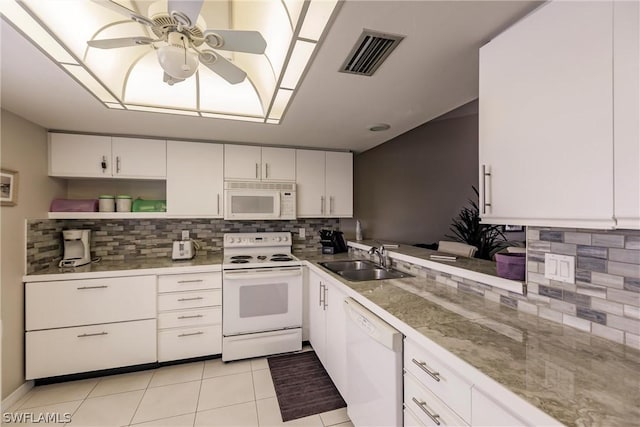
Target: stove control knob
230 239
285 238
278 239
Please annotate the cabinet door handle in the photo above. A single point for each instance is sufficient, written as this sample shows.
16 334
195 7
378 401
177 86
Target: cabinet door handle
117 164
330 204
423 366
190 299
218 198
423 405
266 170
321 205
485 174
190 281
93 335
103 164
92 287
320 295
257 171
325 298
190 317
191 334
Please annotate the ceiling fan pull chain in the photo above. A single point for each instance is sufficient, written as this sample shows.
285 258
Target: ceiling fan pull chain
185 67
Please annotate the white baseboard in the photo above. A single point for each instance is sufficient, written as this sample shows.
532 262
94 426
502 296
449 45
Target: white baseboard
14 397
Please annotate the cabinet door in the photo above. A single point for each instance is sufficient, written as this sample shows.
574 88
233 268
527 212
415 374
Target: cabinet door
626 98
79 155
317 328
310 166
194 179
546 131
139 158
336 342
242 162
339 184
278 164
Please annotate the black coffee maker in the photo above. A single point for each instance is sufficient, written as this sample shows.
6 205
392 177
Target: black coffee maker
332 242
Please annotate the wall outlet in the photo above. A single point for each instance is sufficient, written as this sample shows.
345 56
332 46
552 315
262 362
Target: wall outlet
185 234
560 267
302 233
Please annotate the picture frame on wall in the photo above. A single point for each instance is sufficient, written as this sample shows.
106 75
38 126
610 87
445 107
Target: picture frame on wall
8 187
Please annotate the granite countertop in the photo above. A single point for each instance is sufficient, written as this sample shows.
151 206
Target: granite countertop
573 376
131 265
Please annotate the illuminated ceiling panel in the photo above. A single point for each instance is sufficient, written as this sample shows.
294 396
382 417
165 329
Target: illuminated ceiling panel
132 74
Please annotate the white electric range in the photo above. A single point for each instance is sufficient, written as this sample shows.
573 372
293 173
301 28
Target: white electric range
261 294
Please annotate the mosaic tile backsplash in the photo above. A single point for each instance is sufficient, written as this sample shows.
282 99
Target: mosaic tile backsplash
133 238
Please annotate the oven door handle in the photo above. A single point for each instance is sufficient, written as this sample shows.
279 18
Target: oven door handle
262 275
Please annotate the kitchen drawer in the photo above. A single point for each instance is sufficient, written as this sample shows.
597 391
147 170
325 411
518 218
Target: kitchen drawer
191 317
189 282
193 299
452 389
410 419
89 348
422 403
67 303
183 343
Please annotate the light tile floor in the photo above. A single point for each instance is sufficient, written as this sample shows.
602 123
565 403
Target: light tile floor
209 393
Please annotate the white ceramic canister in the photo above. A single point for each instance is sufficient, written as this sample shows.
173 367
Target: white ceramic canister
106 203
123 203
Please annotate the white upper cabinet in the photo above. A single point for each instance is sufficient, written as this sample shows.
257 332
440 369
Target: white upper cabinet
91 156
194 179
626 106
72 155
253 163
546 119
139 158
324 184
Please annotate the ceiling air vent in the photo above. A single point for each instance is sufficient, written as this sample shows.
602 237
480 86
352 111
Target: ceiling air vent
370 50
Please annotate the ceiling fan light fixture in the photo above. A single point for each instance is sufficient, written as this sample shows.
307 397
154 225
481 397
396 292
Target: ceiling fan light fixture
178 62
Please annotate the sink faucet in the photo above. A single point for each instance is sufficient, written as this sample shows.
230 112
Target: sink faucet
382 255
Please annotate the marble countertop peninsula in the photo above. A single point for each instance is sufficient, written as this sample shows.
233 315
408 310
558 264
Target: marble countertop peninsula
577 378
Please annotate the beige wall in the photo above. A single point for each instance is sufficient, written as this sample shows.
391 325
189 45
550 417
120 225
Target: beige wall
409 188
23 147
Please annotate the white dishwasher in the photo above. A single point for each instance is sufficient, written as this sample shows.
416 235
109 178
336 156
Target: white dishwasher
374 369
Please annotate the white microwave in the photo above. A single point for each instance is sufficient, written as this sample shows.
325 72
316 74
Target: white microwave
259 200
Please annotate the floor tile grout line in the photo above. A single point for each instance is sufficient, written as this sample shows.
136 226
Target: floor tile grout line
143 395
195 415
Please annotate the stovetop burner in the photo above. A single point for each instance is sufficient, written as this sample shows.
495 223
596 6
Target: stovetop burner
242 257
262 257
281 258
239 261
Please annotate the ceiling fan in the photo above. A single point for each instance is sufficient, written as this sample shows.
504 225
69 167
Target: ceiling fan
181 44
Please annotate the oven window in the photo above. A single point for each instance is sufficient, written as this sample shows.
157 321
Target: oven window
264 300
253 204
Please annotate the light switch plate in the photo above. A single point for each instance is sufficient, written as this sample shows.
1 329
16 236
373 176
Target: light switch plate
302 232
560 267
185 234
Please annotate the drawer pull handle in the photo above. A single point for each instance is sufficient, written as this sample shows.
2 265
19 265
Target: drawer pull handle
93 335
190 299
190 317
92 287
190 281
423 366
191 334
423 405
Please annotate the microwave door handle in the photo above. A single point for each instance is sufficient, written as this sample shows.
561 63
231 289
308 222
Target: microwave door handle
277 206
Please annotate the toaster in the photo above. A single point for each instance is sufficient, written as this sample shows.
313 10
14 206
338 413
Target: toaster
183 249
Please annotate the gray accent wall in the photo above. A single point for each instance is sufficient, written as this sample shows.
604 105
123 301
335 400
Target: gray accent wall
409 188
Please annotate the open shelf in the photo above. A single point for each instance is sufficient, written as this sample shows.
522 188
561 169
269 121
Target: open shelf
106 215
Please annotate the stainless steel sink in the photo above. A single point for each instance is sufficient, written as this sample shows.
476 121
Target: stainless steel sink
358 270
355 264
372 274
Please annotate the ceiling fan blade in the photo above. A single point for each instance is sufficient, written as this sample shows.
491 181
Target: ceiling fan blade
120 42
186 8
126 12
222 67
236 40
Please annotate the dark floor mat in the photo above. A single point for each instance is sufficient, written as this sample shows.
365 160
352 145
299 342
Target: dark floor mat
302 386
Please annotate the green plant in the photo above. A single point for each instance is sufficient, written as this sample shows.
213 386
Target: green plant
466 228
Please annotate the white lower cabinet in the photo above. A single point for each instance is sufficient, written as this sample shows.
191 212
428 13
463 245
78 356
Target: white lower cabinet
190 315
327 327
86 325
487 412
65 351
433 390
